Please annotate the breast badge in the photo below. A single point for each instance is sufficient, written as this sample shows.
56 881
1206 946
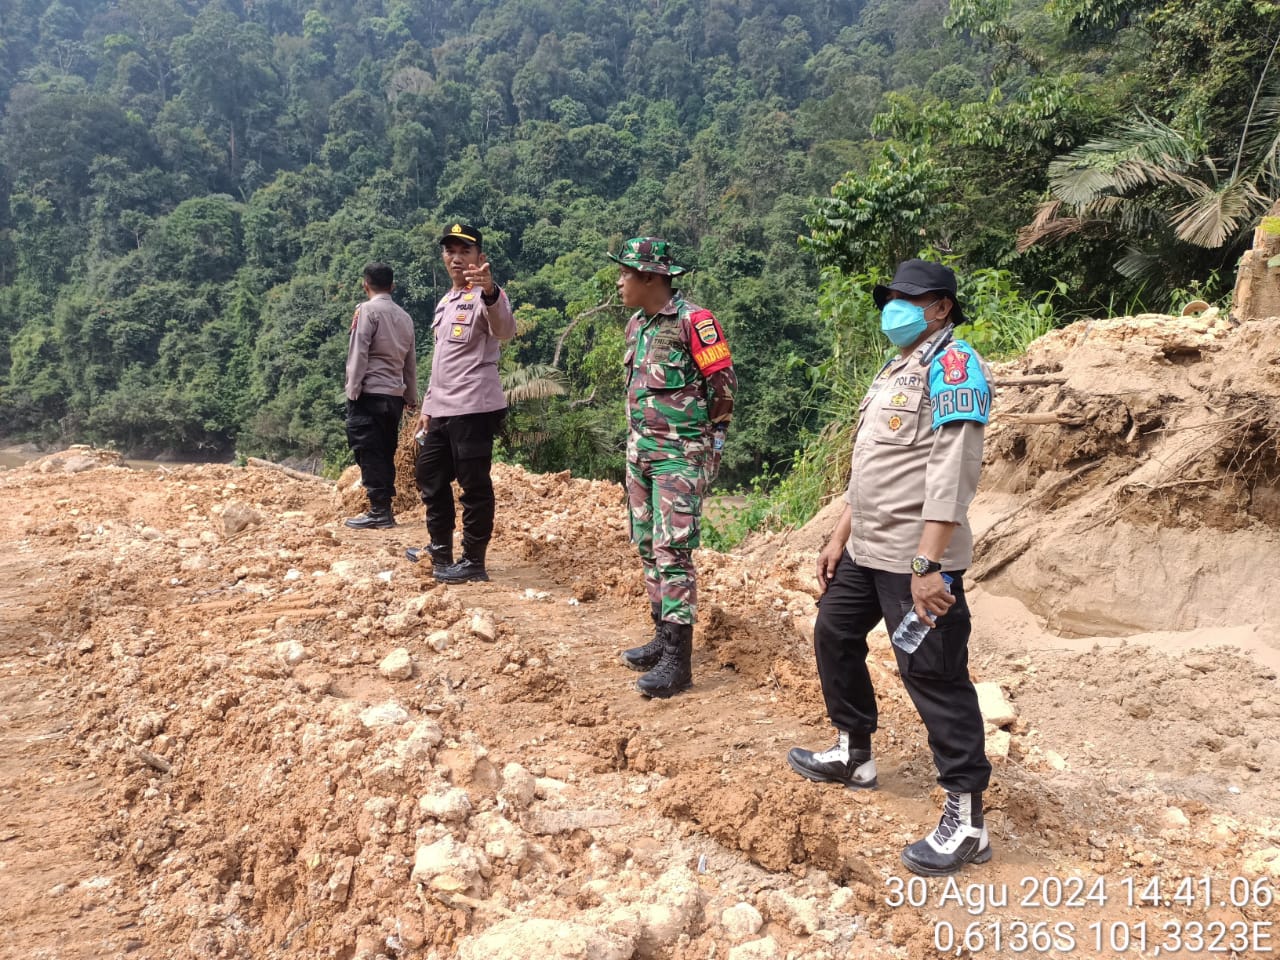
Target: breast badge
898 400
895 423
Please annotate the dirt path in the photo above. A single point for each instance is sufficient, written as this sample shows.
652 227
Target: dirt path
202 744
56 899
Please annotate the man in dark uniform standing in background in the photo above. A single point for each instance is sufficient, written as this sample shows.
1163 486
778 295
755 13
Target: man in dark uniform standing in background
382 379
680 385
462 409
917 456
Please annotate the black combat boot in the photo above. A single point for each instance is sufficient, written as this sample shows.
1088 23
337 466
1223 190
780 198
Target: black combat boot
856 769
959 838
674 671
440 555
470 567
647 657
377 517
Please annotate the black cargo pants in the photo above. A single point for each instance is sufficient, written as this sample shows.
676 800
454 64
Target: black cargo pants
936 675
373 429
459 448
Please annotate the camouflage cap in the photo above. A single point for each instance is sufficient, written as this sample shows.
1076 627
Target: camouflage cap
648 255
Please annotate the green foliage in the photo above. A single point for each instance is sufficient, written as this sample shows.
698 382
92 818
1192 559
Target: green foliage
1155 185
200 241
552 435
728 520
1001 319
188 193
880 216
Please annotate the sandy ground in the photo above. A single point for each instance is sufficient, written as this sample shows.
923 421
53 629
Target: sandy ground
234 728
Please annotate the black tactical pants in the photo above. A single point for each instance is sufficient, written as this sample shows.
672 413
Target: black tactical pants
936 675
459 448
373 428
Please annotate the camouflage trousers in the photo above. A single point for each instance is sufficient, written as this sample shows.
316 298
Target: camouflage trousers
664 502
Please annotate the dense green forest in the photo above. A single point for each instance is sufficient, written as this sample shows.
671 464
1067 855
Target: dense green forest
189 190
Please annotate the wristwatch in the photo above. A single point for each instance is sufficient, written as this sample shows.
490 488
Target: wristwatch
922 566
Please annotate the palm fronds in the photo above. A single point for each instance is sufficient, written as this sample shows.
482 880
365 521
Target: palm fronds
1155 186
1216 214
534 381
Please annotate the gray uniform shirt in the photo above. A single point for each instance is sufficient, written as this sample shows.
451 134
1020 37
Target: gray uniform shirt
904 472
380 354
464 366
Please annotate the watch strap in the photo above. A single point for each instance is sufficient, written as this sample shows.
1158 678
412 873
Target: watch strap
922 566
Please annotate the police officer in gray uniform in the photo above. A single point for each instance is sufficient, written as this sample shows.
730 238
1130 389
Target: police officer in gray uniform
916 460
382 379
463 408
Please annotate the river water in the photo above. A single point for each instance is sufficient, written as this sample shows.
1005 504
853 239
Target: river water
10 458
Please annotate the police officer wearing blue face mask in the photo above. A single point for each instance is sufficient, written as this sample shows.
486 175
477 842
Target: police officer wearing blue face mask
916 460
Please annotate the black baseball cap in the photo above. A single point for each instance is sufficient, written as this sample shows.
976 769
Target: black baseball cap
914 277
462 231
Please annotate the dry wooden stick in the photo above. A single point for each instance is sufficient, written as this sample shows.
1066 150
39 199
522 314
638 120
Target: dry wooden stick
281 468
1062 419
987 567
1038 380
1153 487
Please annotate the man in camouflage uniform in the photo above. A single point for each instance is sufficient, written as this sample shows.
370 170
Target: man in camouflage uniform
680 385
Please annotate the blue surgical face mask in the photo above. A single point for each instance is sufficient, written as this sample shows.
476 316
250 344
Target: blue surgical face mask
903 322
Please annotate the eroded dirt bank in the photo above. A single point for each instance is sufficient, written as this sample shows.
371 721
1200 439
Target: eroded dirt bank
234 728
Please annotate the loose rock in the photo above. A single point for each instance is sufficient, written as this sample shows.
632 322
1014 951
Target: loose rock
763 949
397 665
453 805
383 715
527 939
742 920
996 710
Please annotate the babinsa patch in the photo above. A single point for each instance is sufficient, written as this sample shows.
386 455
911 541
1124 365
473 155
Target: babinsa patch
710 351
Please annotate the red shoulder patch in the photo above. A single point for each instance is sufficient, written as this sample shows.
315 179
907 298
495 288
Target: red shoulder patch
355 318
955 366
709 347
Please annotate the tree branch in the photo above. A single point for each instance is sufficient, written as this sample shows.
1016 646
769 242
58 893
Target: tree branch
564 334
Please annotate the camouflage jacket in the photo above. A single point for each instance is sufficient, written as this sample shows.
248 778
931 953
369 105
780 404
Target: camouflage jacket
680 381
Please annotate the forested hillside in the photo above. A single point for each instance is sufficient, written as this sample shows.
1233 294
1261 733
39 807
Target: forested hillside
191 189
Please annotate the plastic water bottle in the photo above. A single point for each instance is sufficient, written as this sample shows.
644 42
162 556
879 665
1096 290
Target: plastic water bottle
911 630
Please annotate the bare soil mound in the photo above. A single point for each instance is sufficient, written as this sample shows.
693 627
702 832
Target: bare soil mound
236 728
1139 461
